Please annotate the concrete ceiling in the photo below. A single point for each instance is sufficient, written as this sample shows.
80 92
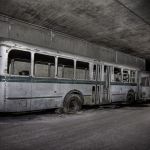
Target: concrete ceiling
123 25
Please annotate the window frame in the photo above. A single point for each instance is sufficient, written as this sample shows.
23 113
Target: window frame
134 77
84 61
74 63
49 55
96 66
128 71
23 50
121 71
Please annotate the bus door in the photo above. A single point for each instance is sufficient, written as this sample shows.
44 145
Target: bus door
106 88
96 89
98 85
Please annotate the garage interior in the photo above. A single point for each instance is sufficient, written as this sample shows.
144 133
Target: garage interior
115 31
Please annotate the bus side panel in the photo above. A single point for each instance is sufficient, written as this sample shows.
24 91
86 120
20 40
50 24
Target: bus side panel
86 90
119 92
18 96
46 95
51 95
2 97
2 83
134 88
145 92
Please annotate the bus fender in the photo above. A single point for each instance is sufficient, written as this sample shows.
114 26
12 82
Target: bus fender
73 101
74 92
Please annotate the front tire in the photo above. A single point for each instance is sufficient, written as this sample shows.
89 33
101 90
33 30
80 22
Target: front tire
72 103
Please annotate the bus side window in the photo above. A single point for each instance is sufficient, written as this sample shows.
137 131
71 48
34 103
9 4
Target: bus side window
94 72
44 65
117 74
82 70
125 75
105 72
19 63
132 76
65 68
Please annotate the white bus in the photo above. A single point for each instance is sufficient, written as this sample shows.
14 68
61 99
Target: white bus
36 78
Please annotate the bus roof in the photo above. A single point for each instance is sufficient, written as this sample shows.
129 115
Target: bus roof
30 47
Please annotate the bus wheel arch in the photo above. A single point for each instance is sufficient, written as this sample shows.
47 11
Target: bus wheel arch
131 96
73 101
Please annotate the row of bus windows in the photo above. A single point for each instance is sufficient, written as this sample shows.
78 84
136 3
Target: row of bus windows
124 75
19 63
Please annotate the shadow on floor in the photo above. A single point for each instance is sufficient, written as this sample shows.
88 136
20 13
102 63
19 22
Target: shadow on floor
138 105
54 112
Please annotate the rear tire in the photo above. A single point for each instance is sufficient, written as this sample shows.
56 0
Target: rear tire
131 97
72 103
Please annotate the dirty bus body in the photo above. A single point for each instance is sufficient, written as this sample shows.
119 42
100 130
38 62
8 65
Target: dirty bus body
35 78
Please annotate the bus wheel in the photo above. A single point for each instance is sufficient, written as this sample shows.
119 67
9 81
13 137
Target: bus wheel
72 103
131 97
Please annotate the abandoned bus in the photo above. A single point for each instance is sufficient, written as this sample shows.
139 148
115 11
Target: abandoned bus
35 78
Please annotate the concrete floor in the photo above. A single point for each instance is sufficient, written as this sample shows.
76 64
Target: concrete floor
97 128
